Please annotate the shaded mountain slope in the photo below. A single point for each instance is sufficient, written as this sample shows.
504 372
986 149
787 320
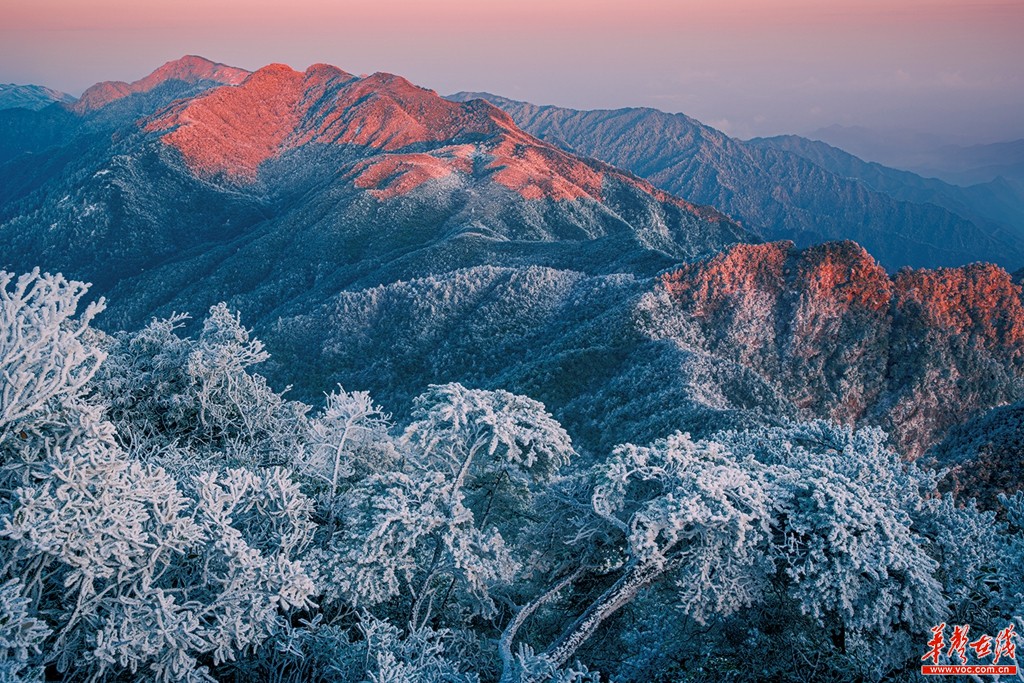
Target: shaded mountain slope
759 333
780 195
998 202
985 457
563 337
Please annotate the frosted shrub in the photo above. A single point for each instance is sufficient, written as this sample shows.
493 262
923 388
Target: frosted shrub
686 512
368 649
47 356
432 531
134 574
199 394
418 657
149 531
347 441
21 635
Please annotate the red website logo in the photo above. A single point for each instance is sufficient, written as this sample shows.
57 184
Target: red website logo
960 656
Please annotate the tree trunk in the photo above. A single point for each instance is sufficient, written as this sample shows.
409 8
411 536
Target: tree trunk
636 577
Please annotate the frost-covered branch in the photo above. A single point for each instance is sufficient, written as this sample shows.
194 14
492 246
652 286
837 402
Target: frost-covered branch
44 354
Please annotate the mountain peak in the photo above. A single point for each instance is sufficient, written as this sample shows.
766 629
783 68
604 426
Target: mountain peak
194 67
408 134
274 69
831 327
979 299
189 69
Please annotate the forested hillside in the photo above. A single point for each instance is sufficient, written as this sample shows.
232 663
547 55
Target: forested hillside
167 514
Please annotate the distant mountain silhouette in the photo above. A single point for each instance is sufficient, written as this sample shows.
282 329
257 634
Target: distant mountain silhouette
954 161
999 203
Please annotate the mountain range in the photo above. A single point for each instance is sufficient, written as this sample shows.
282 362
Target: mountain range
953 160
380 179
780 192
999 203
378 235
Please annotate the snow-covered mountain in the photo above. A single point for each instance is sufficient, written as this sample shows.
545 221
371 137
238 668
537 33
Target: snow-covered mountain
32 97
383 237
324 180
576 428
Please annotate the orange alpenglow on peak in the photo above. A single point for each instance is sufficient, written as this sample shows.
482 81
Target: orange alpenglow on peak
408 134
190 69
914 353
708 284
979 300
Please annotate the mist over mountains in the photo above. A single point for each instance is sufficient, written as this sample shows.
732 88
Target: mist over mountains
953 160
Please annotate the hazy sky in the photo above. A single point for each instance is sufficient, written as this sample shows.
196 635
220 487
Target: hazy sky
750 67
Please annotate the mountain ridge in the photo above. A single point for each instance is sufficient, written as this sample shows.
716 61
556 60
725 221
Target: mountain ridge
997 202
13 96
954 160
189 69
916 352
772 192
328 106
389 179
379 236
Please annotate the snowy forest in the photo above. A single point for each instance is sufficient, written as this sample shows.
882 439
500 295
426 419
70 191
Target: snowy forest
168 515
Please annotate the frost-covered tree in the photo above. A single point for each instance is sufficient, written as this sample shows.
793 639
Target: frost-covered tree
815 524
477 433
684 510
148 530
168 391
346 442
47 356
433 530
134 573
120 567
848 539
1011 557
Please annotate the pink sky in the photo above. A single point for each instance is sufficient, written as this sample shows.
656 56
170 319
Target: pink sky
748 66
